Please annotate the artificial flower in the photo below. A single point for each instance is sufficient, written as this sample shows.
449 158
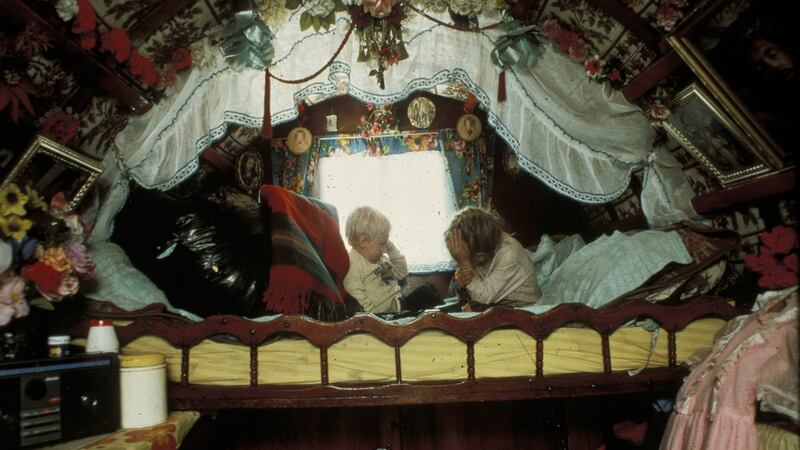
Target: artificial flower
12 200
594 66
579 51
14 91
780 240
667 16
319 8
56 258
80 259
181 58
378 8
6 255
88 40
12 298
14 226
118 43
776 260
46 278
34 199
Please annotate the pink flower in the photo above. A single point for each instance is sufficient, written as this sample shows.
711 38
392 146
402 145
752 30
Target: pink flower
80 258
614 74
88 40
579 51
379 8
566 39
376 128
12 298
551 28
60 127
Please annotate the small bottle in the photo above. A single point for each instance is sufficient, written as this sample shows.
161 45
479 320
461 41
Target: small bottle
58 346
102 338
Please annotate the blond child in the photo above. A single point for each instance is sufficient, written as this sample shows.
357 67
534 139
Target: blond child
377 268
491 266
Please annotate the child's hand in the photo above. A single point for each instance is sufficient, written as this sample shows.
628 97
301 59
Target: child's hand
458 248
390 247
464 276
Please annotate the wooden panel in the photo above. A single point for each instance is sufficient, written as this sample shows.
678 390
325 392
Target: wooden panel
745 192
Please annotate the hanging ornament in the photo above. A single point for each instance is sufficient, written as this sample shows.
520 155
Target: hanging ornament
247 42
421 112
299 140
519 47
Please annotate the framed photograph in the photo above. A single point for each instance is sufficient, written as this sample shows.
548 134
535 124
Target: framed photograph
748 67
49 168
249 171
711 135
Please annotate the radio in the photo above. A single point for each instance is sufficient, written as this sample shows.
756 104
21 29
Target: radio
44 401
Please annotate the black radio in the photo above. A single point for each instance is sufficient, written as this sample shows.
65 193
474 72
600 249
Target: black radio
50 400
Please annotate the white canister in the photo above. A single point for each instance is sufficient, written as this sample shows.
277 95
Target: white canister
102 338
142 389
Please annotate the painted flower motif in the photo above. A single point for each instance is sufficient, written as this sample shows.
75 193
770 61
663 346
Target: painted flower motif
181 58
12 200
60 127
86 19
667 16
118 43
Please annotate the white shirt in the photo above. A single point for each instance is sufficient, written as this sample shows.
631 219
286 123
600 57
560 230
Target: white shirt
508 280
376 285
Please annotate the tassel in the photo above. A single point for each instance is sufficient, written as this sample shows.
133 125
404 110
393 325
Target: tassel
501 87
266 127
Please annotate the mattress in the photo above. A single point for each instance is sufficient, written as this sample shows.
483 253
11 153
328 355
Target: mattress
430 356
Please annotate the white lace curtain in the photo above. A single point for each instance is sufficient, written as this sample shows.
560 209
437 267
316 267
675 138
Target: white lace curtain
577 136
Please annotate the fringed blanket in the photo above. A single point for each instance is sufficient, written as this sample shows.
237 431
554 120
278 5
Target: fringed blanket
309 260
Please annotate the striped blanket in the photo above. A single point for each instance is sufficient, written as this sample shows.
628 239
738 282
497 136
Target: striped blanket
309 260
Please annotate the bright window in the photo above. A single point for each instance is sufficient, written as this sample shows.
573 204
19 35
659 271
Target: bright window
412 189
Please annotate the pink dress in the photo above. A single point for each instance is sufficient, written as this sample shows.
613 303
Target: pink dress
716 406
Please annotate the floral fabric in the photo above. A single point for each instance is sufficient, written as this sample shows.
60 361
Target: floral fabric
470 164
167 435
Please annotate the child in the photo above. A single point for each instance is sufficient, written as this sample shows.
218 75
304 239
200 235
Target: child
491 265
377 268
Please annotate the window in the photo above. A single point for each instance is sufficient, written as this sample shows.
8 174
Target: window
412 189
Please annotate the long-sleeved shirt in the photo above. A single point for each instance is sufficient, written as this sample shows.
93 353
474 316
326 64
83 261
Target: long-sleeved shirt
508 280
376 285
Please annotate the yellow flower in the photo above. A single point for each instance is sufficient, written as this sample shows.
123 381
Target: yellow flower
34 199
57 259
12 201
15 226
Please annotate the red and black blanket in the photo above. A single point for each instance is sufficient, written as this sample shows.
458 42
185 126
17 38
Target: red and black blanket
309 260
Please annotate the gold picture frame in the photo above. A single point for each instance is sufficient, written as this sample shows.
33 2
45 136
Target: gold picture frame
49 168
762 143
712 136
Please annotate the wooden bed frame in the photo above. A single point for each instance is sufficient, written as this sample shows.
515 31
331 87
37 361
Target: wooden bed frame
184 335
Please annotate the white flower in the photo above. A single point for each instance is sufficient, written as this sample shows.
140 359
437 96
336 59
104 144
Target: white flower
470 8
319 8
6 256
272 12
67 9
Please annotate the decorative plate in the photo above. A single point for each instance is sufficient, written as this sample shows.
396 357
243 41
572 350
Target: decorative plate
469 127
421 112
299 140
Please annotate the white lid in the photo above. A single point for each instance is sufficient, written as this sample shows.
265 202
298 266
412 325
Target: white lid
58 339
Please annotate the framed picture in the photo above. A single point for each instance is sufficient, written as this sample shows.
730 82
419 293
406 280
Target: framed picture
49 168
249 171
711 135
748 67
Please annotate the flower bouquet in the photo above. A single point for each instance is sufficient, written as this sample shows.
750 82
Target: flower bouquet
42 253
776 260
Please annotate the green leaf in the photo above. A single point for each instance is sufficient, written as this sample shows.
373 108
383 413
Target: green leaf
42 303
339 6
316 22
305 21
291 5
330 20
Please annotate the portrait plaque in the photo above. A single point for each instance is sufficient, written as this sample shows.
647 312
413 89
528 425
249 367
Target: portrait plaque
421 112
299 140
469 127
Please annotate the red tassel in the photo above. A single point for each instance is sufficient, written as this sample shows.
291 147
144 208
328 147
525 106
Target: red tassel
501 87
266 127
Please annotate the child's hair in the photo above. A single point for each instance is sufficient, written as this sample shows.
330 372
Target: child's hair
365 221
481 229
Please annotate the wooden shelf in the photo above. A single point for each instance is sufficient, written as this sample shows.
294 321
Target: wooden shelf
748 191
